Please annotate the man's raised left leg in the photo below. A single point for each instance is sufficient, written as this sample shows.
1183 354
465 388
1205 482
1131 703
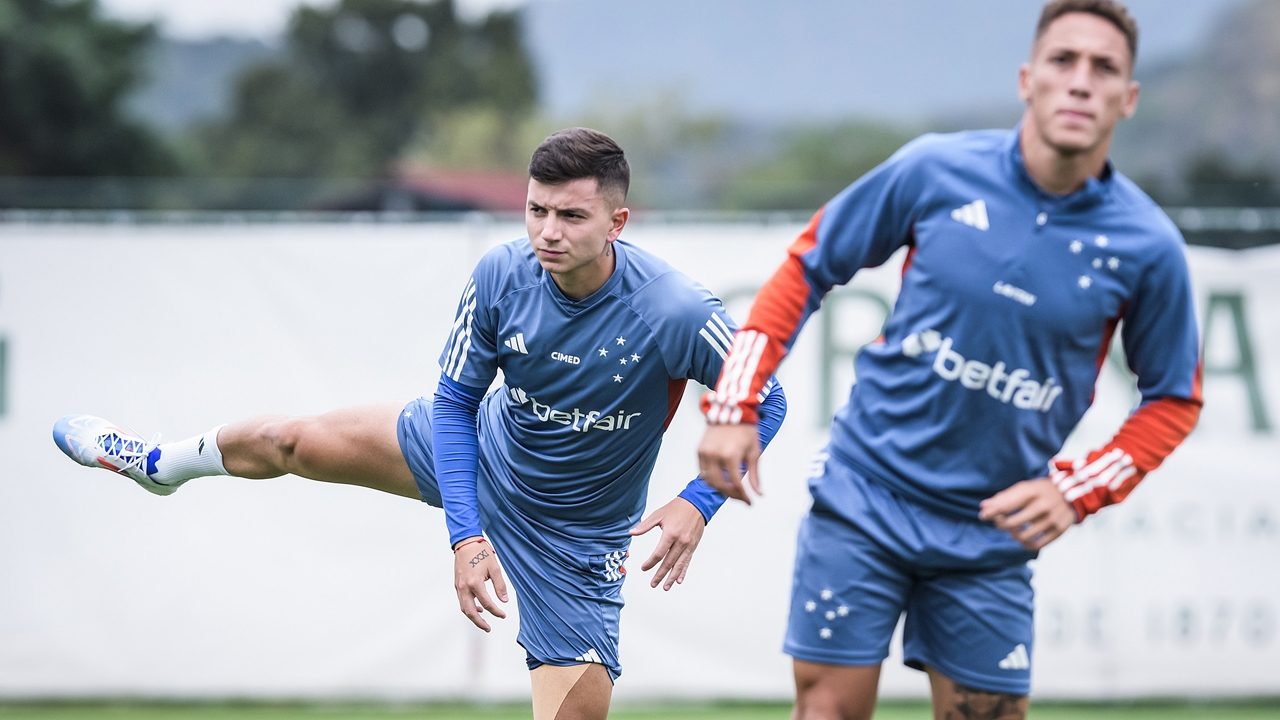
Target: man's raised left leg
354 446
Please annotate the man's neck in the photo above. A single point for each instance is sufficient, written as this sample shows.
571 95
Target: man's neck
1056 172
584 281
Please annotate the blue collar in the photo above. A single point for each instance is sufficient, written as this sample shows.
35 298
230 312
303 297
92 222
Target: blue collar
1095 191
575 306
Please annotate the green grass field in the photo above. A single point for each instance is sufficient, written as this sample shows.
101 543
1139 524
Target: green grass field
1260 710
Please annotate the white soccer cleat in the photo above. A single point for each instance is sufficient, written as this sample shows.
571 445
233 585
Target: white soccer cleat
94 442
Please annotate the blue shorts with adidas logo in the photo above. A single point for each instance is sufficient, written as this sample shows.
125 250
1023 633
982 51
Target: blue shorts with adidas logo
568 604
865 556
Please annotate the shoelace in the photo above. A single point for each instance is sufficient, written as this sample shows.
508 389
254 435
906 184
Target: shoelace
130 451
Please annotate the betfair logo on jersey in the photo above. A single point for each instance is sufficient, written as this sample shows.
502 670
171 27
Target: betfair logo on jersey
577 420
1015 387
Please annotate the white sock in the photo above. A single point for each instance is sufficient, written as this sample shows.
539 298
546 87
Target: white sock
191 458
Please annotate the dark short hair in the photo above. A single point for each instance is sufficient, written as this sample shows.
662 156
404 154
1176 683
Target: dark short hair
1110 10
581 153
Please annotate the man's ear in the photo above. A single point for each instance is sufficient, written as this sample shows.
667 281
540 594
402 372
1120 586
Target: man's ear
619 218
1024 82
1131 102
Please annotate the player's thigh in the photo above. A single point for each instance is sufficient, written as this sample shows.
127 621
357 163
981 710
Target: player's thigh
573 692
957 700
824 692
976 628
847 594
356 445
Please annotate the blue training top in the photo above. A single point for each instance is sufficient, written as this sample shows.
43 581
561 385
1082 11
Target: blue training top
1009 299
570 438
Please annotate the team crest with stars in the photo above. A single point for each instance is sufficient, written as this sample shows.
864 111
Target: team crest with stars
1102 261
625 361
831 609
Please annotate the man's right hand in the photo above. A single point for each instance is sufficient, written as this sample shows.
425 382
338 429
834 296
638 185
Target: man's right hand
474 562
724 451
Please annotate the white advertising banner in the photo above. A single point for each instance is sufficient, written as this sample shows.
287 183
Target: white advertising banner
291 588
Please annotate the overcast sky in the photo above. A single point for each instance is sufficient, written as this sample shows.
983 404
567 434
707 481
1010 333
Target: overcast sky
194 19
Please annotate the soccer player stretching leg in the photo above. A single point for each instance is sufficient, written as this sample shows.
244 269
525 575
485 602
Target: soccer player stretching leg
596 339
1025 250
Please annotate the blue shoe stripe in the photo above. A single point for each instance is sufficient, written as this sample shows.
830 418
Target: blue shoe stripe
152 457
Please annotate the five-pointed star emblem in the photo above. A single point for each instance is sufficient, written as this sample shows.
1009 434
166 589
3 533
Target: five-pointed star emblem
617 378
635 357
621 341
604 353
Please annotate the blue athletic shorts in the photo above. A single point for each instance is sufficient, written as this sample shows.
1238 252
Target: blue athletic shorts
865 556
569 604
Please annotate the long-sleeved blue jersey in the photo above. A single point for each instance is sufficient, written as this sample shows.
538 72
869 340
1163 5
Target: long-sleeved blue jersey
1010 296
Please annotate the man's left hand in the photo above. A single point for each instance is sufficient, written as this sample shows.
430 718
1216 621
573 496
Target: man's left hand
1032 511
682 525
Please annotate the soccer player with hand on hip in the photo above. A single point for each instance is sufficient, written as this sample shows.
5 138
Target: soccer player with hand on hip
596 339
1025 250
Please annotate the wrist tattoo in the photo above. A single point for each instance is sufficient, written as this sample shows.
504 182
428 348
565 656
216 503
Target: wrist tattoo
480 556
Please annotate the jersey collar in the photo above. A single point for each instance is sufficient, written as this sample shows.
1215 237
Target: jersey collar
576 306
1095 192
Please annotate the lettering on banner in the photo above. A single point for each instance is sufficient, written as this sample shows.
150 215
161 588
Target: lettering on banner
1063 624
1214 622
1245 367
1191 522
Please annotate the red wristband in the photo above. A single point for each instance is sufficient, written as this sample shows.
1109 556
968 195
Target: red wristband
469 541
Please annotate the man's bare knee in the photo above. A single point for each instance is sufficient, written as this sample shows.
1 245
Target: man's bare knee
295 444
833 692
954 700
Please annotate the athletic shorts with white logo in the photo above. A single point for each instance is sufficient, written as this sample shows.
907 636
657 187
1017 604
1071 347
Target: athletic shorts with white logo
864 556
568 604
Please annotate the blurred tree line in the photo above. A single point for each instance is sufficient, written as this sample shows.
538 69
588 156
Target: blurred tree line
64 75
358 84
361 85
363 80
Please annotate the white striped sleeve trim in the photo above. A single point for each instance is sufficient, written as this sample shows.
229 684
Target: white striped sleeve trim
1111 470
769 385
735 379
717 335
714 345
724 333
460 335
